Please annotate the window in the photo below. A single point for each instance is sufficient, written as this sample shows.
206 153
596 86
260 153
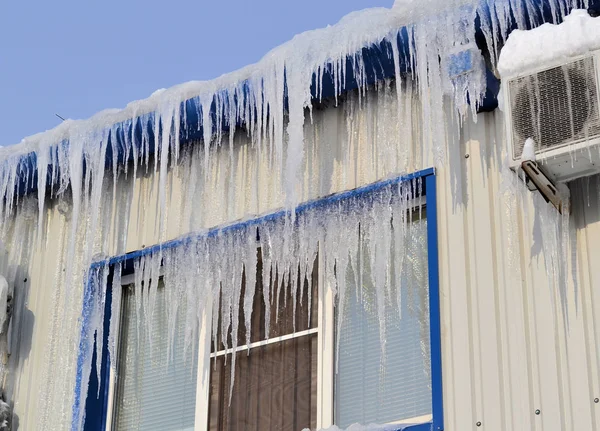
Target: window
319 365
275 380
154 392
394 385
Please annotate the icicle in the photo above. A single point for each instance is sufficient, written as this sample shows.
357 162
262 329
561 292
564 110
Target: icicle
139 269
115 315
75 171
173 269
95 166
151 281
166 121
206 104
43 159
268 277
233 291
113 138
250 264
98 320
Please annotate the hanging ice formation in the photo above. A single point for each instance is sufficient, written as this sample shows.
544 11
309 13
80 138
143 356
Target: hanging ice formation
87 170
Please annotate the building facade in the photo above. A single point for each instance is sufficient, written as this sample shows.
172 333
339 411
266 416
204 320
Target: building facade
305 243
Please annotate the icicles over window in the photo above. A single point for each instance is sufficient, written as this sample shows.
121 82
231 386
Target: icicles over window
207 271
431 44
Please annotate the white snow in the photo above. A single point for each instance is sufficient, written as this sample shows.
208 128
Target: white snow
578 34
528 150
261 87
308 51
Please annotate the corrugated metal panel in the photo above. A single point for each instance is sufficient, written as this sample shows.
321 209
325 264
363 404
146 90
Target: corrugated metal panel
507 349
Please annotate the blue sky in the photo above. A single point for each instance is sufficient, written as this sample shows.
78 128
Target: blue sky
75 58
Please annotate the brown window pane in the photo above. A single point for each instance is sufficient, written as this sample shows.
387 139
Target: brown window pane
275 388
282 316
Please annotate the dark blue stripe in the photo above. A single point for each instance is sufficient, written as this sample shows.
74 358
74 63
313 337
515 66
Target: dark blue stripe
437 403
96 408
421 427
84 348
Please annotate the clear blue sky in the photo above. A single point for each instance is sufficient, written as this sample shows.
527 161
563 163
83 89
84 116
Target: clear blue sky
77 57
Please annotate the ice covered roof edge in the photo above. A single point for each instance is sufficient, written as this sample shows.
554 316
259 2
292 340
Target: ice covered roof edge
379 65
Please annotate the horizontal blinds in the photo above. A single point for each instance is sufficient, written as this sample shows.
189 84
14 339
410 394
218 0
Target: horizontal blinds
154 393
275 385
376 388
275 388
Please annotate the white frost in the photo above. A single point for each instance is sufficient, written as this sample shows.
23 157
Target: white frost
528 150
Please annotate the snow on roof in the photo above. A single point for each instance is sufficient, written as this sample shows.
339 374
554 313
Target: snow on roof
528 49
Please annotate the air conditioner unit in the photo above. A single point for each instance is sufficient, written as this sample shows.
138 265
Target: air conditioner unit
558 106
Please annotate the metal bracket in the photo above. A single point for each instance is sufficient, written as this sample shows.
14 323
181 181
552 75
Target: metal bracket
537 180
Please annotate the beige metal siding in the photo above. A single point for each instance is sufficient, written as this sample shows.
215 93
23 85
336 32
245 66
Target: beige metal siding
507 349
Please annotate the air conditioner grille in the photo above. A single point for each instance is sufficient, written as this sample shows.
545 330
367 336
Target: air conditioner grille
555 107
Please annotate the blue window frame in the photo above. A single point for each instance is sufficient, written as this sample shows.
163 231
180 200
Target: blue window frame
96 407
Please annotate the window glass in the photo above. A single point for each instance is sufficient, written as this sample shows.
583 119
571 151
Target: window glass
282 316
275 384
372 387
153 392
274 388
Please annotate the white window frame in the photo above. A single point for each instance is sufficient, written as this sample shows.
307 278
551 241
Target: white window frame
323 345
326 374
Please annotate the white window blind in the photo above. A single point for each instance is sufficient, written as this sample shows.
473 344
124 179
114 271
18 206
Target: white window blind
370 387
154 393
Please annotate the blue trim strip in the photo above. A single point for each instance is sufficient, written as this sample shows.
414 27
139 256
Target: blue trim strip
300 209
437 395
427 426
83 348
96 408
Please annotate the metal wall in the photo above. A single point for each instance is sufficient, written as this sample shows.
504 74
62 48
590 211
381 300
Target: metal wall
519 353
511 343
